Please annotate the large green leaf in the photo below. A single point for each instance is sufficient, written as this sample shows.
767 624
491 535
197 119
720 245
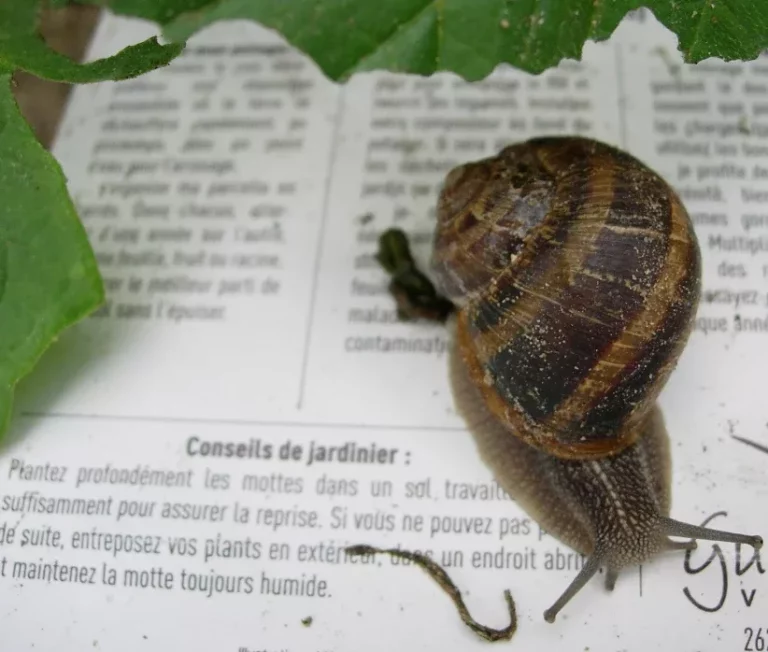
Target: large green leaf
729 29
159 11
48 275
17 17
469 37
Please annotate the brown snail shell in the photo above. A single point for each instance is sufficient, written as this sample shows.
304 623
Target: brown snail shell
576 273
577 270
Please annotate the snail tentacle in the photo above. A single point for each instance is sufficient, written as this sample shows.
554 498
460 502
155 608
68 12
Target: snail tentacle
680 529
591 567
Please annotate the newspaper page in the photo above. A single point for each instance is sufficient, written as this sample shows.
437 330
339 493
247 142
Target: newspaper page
186 467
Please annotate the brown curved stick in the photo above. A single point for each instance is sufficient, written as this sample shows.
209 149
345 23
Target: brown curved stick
445 582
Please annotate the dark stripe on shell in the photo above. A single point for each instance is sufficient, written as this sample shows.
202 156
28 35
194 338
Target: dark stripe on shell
633 384
542 367
640 198
535 369
627 257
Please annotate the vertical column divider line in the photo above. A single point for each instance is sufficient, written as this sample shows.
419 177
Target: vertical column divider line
619 58
319 249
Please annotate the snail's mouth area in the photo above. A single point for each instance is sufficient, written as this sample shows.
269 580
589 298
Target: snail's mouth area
630 548
612 555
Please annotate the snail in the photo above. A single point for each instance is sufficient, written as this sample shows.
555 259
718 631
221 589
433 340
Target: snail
573 273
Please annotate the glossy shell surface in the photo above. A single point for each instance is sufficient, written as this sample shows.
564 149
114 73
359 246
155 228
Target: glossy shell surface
576 270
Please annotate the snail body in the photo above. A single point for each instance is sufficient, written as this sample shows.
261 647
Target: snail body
575 272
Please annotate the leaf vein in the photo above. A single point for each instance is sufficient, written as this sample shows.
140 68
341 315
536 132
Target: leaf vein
392 34
529 39
697 29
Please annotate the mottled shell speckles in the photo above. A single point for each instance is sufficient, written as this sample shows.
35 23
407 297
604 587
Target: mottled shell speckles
577 274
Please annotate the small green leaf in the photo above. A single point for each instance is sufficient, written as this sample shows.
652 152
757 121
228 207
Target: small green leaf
48 273
468 37
22 48
30 53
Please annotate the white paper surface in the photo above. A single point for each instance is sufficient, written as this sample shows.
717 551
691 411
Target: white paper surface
234 200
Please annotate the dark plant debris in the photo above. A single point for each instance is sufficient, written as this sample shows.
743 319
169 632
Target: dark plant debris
414 293
445 582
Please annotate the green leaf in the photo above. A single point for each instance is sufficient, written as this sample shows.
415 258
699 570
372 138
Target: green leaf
729 29
48 273
17 17
30 53
159 11
469 37
21 48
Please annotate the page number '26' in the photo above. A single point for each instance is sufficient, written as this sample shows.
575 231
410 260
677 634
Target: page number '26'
756 641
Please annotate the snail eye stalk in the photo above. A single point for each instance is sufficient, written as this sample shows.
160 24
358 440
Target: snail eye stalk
678 529
585 574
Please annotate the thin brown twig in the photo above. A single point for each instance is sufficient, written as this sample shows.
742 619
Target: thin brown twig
445 582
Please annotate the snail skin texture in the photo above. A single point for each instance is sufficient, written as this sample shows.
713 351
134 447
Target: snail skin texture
575 272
